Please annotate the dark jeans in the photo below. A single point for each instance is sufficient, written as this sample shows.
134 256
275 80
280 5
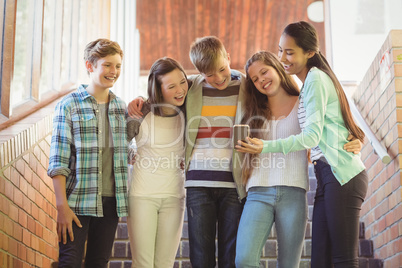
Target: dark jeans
336 218
205 208
100 232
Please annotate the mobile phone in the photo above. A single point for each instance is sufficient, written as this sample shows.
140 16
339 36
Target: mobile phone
240 132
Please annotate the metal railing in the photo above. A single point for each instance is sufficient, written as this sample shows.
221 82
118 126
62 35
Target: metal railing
379 149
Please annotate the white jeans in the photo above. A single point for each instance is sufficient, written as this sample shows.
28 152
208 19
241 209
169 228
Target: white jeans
154 227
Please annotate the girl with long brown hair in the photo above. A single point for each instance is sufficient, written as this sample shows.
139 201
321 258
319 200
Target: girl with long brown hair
326 121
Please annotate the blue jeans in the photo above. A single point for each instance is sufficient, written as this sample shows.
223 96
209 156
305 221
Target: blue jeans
336 218
284 205
99 233
205 208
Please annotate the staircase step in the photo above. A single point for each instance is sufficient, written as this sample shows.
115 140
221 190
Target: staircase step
370 263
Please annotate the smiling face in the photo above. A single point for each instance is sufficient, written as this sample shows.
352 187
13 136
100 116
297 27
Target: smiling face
221 77
293 57
105 72
265 78
174 88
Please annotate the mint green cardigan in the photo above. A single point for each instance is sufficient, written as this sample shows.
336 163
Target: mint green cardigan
324 127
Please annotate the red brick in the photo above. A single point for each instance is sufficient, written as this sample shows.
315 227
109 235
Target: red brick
36 151
398 69
393 153
378 242
32 193
371 173
31 224
39 230
39 200
373 158
395 182
44 161
399 100
8 191
398 85
35 242
393 261
382 176
15 177
35 212
42 187
2 185
378 167
30 256
391 169
382 224
22 252
13 246
26 237
46 262
382 209
13 212
49 223
17 231
33 162
4 205
383 101
394 199
39 261
26 204
20 165
24 186
42 217
379 195
42 246
18 197
399 115
394 232
17 263
36 182
2 243
7 172
28 173
387 185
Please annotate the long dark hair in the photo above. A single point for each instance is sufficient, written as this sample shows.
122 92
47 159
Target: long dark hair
306 37
257 110
161 67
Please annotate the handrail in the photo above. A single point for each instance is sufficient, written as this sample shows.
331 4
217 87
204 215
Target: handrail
379 149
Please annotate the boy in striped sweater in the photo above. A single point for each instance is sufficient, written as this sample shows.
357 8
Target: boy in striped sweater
212 108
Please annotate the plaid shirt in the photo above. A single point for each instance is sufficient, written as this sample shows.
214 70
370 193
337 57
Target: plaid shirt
75 151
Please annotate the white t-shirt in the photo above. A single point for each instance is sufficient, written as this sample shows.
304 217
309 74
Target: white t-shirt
277 169
160 152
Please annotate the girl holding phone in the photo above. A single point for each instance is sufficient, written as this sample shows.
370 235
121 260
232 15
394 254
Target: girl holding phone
326 121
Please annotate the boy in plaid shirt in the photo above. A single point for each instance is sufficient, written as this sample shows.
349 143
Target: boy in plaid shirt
88 161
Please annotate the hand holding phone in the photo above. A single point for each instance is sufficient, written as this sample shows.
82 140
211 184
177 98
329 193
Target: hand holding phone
240 132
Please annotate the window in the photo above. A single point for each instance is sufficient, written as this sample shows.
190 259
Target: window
24 32
42 44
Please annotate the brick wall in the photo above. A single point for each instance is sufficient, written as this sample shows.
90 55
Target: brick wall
379 99
27 212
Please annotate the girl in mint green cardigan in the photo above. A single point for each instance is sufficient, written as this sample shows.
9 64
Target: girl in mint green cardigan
326 122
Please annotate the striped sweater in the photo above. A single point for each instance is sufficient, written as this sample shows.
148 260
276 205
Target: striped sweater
210 163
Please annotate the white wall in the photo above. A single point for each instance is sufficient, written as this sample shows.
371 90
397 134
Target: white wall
358 29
